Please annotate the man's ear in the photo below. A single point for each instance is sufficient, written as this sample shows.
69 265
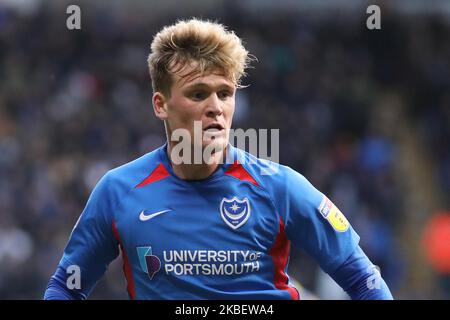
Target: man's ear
159 105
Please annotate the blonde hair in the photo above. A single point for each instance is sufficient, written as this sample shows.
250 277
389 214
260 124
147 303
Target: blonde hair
209 44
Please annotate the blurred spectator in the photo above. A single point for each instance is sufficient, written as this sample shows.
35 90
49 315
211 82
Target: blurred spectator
436 245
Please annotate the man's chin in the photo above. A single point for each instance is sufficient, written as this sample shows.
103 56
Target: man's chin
214 145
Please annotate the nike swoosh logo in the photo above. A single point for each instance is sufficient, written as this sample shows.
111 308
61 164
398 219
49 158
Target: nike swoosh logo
144 217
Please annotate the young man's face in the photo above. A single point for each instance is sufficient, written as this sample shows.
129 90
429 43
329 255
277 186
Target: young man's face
209 98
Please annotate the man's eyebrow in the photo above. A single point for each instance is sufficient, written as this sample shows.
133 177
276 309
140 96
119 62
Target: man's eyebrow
202 84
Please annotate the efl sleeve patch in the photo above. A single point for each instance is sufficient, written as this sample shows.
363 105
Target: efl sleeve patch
334 216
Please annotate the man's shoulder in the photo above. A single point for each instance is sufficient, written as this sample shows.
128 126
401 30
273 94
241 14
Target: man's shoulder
269 174
130 174
281 183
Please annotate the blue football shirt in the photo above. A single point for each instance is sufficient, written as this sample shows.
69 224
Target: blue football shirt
225 237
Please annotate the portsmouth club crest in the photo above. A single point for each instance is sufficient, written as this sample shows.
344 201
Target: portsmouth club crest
235 212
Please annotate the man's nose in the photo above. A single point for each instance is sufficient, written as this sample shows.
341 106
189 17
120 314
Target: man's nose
214 106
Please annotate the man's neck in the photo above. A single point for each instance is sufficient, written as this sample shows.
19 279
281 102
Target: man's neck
192 171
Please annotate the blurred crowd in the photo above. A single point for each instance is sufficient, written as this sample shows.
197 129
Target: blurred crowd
74 104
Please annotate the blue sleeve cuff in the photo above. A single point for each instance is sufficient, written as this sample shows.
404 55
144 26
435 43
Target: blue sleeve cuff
58 290
361 279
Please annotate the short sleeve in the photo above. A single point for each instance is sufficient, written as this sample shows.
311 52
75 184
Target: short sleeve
92 245
315 224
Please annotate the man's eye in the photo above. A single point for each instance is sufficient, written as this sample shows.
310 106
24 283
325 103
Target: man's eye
225 94
198 95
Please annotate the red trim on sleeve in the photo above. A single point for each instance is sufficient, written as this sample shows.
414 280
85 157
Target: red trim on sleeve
126 265
280 256
239 172
159 173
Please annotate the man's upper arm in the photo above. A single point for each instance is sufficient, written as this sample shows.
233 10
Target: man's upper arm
92 245
315 224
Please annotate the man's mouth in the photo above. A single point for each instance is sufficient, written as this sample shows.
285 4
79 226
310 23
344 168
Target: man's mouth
214 127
